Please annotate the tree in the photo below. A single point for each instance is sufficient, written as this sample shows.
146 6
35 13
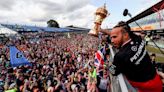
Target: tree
52 23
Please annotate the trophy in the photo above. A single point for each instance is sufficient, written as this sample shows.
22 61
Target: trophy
100 15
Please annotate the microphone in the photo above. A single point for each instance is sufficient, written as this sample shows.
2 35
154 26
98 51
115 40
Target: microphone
126 12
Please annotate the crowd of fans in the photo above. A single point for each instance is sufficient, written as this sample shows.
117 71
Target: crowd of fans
59 64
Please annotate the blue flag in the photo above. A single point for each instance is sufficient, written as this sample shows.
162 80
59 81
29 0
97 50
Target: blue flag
17 58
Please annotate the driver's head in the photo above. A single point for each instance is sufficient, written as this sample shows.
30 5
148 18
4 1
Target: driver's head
120 34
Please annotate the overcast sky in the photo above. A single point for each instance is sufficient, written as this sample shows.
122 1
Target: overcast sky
67 12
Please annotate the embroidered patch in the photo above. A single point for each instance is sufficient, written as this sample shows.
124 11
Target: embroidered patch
134 48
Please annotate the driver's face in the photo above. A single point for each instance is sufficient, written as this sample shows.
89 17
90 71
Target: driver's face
117 37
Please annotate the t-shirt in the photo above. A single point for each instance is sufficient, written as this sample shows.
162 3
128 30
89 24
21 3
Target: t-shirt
133 61
103 84
12 90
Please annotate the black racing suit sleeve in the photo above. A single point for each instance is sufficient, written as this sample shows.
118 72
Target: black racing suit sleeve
115 68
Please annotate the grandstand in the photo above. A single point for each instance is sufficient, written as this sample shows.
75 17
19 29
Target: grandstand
150 20
24 28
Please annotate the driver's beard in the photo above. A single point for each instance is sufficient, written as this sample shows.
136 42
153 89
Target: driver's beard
121 42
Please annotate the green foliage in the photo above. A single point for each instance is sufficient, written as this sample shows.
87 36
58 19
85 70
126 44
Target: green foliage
52 23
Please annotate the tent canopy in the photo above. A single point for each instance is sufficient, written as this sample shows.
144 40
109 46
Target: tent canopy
6 31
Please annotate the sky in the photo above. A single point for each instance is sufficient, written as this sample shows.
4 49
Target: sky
79 13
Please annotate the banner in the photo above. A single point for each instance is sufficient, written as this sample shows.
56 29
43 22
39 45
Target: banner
17 58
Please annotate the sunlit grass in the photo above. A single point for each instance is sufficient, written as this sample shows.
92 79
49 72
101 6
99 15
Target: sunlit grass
153 49
156 51
160 59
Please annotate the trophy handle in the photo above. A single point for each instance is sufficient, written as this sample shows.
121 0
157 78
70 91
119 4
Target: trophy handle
95 30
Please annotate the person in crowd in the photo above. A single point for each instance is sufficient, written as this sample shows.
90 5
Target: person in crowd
153 57
59 64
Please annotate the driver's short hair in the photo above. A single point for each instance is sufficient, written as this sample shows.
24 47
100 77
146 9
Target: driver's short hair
123 24
126 28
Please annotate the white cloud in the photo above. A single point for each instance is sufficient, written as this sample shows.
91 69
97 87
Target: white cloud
6 4
82 17
31 12
66 12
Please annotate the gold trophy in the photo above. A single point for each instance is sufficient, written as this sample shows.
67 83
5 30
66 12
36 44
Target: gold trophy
100 15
